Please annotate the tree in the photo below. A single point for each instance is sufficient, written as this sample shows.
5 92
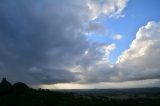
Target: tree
5 87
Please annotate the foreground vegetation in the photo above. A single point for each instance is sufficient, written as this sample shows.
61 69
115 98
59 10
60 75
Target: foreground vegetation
20 94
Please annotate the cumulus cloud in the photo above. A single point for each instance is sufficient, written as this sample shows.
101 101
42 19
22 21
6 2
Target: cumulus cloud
100 10
110 8
141 60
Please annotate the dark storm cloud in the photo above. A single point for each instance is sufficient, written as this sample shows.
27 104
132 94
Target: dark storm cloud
44 34
52 76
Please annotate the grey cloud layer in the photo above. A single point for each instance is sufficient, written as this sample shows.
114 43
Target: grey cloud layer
41 35
42 41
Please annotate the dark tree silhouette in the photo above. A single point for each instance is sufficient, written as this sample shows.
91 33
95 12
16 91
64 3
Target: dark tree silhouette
5 87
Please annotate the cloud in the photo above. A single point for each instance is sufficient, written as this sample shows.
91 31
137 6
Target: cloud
41 42
138 66
141 60
117 37
110 8
95 27
44 42
39 38
107 49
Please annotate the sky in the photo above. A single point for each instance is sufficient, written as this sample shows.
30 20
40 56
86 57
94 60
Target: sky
80 44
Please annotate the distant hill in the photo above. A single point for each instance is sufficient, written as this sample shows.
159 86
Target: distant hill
19 94
153 90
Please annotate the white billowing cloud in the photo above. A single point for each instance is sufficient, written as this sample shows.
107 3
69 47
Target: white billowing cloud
117 37
110 8
98 9
141 60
